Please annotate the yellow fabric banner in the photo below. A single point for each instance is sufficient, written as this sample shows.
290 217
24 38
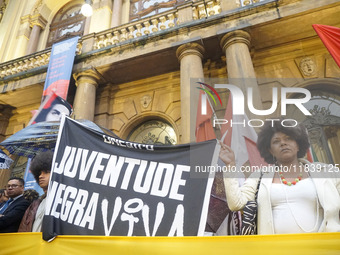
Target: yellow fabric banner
309 244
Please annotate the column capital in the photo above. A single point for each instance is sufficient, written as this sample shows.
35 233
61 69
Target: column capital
90 76
237 36
38 20
25 19
190 49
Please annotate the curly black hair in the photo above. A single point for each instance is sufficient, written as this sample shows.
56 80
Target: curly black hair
42 162
3 193
286 126
30 195
22 182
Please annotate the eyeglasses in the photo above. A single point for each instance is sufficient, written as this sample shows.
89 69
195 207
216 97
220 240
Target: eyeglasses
12 186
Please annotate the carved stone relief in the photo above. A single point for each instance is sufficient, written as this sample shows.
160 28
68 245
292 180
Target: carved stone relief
307 66
145 101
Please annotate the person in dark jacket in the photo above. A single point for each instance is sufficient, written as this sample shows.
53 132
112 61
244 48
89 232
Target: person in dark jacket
13 210
41 168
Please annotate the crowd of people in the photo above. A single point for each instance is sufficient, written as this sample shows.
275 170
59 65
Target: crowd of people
294 198
23 210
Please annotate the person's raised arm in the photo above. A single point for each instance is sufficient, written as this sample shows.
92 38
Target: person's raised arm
237 196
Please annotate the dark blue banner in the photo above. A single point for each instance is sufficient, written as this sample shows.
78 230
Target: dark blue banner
30 182
60 67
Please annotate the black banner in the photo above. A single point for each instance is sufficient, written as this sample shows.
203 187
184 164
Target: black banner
101 185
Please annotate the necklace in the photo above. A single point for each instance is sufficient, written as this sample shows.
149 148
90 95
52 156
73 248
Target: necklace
296 221
284 181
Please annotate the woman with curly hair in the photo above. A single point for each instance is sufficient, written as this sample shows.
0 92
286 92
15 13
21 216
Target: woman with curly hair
3 196
30 195
41 168
294 195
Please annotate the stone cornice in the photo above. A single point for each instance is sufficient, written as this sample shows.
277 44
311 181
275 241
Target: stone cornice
35 63
25 19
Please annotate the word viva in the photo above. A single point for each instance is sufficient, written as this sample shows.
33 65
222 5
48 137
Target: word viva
238 99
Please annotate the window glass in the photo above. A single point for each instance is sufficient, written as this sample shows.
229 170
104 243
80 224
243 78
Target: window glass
67 23
144 8
154 132
323 125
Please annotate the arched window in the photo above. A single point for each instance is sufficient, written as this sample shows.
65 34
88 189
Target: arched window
68 22
323 125
145 8
153 132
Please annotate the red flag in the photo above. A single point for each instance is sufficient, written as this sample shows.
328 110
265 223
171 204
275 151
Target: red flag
310 156
330 36
254 156
204 129
234 132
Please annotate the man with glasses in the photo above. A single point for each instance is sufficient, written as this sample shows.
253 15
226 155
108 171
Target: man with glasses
13 210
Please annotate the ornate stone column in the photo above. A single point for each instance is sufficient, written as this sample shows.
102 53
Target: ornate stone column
5 114
116 19
37 23
185 13
190 56
85 98
101 17
240 66
3 6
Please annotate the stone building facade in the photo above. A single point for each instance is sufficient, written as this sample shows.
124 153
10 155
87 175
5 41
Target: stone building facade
135 59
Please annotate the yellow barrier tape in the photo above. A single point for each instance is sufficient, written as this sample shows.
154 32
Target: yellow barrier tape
309 244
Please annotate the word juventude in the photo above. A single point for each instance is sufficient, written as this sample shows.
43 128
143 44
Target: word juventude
157 178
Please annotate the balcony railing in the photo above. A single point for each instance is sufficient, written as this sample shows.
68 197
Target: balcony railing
132 30
113 36
153 24
25 63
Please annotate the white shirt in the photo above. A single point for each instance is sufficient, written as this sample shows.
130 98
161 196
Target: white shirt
39 216
295 208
